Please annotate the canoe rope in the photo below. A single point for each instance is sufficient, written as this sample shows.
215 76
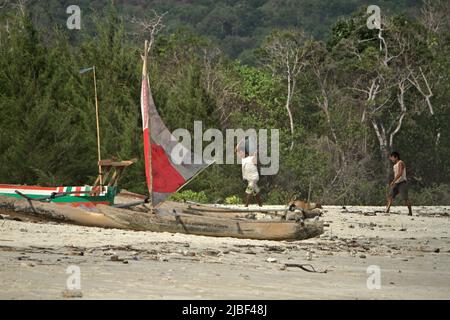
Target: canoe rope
304 267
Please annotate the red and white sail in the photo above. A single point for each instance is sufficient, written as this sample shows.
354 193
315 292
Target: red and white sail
163 176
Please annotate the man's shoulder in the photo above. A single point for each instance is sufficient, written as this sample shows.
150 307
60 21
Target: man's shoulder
246 160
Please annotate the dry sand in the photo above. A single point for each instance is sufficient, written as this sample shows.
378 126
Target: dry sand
413 254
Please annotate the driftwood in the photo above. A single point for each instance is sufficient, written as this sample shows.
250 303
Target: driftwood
304 267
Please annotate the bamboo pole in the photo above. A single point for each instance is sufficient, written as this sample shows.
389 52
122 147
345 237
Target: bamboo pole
100 174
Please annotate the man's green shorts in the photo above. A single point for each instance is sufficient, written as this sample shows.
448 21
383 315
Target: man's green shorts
400 188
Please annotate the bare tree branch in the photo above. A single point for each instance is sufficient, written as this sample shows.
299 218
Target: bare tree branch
150 27
401 100
434 14
210 56
286 56
21 6
2 5
427 95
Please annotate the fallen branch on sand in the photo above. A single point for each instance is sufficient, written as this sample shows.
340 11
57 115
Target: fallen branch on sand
304 267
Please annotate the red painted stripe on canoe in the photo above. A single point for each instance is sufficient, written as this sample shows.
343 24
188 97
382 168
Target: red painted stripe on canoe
16 187
79 204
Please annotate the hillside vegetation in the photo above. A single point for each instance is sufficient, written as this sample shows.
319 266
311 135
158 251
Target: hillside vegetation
357 94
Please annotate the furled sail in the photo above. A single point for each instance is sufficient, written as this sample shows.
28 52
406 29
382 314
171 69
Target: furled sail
164 177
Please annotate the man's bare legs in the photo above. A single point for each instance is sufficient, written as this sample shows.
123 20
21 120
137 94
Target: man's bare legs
389 204
408 204
247 199
257 197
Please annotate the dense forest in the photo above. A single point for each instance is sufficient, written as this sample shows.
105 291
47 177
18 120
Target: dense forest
237 27
342 95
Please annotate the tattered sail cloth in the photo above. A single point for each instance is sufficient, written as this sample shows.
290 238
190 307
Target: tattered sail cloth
168 177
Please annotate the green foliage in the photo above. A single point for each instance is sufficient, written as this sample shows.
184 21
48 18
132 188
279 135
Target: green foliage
429 196
47 122
233 200
189 195
278 197
236 26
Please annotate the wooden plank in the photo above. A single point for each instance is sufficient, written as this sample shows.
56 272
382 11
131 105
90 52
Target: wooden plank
112 163
212 207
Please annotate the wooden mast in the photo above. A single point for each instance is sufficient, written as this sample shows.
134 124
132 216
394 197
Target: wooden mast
145 76
100 175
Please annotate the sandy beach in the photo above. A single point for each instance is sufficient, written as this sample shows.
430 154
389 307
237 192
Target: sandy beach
412 254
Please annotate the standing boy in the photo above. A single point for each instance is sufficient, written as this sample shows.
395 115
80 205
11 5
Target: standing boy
400 184
249 173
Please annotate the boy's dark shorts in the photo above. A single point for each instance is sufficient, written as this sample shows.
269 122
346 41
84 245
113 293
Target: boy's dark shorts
399 188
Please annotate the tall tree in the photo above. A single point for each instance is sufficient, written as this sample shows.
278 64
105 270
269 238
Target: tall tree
285 54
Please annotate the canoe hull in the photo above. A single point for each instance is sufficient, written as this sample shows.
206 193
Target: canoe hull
168 221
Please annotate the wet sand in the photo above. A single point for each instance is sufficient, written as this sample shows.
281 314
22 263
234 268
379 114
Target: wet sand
412 253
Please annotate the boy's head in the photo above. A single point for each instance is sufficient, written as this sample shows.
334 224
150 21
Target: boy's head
394 156
244 149
241 151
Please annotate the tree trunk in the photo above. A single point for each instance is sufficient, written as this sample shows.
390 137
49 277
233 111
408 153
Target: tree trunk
384 148
288 108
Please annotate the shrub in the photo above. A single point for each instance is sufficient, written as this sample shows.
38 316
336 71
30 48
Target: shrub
233 200
189 195
430 196
278 197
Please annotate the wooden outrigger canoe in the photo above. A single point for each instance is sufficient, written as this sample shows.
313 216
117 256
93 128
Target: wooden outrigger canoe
234 212
85 196
94 206
73 196
166 220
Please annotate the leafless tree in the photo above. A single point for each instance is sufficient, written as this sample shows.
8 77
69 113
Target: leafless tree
434 15
211 56
3 4
286 56
220 84
326 87
150 27
422 85
384 88
19 4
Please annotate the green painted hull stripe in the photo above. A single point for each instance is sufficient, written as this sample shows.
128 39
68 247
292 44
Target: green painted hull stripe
109 197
